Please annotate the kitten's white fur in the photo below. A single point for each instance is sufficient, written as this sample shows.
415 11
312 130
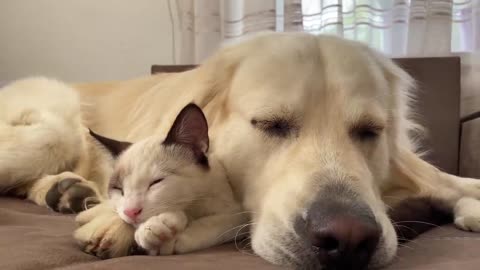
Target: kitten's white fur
185 205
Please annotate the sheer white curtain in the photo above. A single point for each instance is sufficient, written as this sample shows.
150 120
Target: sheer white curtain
399 28
202 25
408 28
396 27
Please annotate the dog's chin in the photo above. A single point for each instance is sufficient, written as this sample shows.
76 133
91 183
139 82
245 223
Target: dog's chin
383 256
284 247
276 251
387 247
292 255
278 245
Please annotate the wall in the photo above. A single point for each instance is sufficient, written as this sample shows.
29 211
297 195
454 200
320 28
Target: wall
83 40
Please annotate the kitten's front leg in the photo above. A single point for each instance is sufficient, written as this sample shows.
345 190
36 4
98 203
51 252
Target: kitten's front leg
103 233
210 231
157 235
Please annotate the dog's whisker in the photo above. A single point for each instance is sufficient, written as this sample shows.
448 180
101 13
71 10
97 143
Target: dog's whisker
247 252
242 213
236 227
246 249
289 254
236 235
406 227
418 222
405 246
246 239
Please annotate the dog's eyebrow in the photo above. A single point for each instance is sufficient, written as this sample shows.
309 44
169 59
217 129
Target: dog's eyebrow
369 120
280 111
369 123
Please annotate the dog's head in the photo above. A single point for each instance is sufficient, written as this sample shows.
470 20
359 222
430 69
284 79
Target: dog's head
308 130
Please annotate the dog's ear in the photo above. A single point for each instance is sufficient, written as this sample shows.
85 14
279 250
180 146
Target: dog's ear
113 146
190 129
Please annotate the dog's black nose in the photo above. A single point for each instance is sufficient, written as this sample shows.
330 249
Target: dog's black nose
344 241
339 229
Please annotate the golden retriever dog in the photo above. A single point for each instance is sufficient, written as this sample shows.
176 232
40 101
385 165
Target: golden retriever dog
314 134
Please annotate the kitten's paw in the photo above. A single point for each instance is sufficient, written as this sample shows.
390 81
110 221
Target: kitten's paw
157 234
184 244
71 195
104 234
467 214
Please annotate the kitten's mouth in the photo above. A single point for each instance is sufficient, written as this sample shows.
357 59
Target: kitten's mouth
133 222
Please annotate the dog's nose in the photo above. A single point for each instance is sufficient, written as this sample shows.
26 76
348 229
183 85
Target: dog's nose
132 212
344 242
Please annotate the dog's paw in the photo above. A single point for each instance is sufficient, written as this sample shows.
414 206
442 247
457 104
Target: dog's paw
71 195
157 234
104 234
469 223
26 117
467 214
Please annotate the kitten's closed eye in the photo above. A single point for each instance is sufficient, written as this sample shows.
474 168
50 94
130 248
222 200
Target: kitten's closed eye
155 182
117 188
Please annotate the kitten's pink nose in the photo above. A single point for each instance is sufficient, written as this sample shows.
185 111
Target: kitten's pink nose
132 212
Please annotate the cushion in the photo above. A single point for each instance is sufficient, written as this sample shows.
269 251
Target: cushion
33 237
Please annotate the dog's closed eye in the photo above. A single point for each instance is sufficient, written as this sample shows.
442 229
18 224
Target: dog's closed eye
366 131
277 127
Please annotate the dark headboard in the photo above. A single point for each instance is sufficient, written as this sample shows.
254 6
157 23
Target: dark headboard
437 107
170 68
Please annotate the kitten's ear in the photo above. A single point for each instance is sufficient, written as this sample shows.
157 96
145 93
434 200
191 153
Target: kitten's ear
113 146
190 129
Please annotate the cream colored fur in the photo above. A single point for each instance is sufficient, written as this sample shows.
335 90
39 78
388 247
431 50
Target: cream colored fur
43 140
325 85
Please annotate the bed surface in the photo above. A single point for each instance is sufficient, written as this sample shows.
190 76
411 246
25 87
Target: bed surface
34 238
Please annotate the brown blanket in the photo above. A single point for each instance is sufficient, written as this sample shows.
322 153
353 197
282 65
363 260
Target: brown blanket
34 238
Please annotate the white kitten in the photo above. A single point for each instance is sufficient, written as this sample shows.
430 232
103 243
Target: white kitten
178 199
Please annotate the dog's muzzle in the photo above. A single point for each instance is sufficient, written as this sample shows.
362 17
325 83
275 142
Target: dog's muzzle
340 229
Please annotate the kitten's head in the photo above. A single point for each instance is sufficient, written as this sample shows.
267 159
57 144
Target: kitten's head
156 174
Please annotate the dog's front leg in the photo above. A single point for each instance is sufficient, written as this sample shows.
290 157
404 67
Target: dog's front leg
461 195
466 202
